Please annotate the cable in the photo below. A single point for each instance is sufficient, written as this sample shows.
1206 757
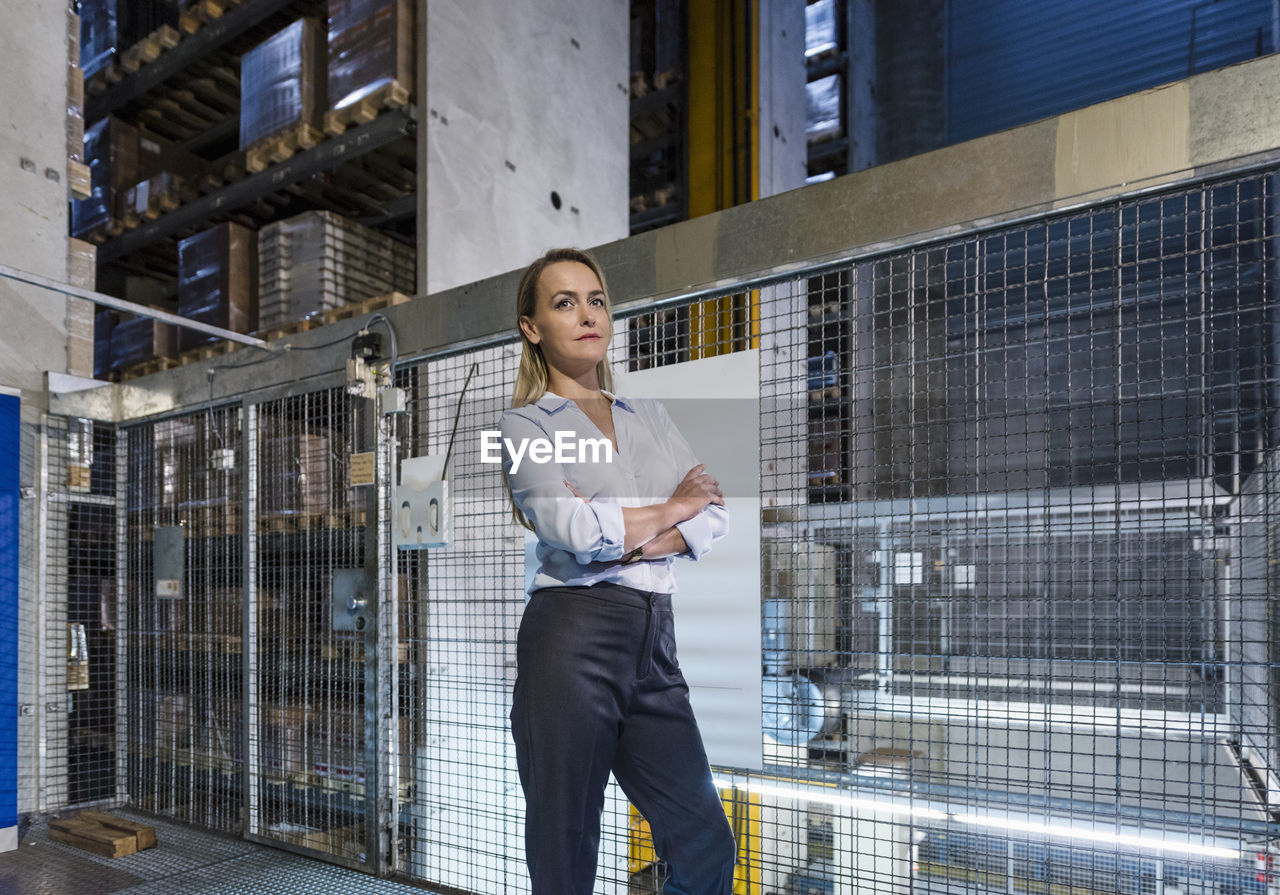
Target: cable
457 413
213 372
276 352
395 350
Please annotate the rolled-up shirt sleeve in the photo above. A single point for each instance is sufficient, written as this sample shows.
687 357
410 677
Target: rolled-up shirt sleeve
712 522
590 530
710 525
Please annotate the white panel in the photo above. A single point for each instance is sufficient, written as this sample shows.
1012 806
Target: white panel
523 99
874 854
8 839
717 604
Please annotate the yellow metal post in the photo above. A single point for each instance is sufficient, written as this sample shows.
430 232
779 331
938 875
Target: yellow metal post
723 132
724 112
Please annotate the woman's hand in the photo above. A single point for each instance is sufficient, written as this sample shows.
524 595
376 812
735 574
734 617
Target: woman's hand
696 490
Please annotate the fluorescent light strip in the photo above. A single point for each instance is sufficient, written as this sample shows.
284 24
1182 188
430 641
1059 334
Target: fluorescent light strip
831 796
1066 831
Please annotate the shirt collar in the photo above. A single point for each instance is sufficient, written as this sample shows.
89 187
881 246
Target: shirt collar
553 403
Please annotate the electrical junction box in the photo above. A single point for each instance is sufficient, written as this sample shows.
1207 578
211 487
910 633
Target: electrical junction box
169 552
392 400
422 516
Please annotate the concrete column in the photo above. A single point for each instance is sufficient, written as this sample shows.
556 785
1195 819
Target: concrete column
523 132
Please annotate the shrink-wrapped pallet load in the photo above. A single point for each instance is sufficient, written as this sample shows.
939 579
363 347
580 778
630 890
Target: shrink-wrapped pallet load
111 152
99 35
136 340
218 281
370 48
318 261
282 83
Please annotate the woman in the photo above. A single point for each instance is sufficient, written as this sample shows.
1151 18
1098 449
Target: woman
598 688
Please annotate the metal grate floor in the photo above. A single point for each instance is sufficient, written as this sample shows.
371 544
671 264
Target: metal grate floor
184 862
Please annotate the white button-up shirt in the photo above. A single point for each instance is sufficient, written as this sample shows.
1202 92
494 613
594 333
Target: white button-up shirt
580 542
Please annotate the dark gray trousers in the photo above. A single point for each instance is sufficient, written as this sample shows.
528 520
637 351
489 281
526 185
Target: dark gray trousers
598 689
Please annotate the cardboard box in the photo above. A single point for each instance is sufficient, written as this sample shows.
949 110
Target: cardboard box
301 476
81 325
73 41
136 340
80 322
282 82
111 152
370 46
338 741
218 281
160 156
284 742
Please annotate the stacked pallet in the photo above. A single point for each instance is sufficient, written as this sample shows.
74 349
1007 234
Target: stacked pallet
370 60
103 834
319 261
282 94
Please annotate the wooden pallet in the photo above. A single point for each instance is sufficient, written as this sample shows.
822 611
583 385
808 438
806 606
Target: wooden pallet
104 78
281 146
228 169
353 651
159 204
214 522
166 37
368 306
97 235
285 523
290 329
202 12
146 834
213 644
148 368
216 349
345 520
333 315
389 96
103 834
205 352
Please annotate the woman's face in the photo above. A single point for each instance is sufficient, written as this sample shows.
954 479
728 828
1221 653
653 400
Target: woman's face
569 323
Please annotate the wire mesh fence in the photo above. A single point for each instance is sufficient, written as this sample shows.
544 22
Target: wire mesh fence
1017 549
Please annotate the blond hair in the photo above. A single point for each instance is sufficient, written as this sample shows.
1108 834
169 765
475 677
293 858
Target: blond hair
533 376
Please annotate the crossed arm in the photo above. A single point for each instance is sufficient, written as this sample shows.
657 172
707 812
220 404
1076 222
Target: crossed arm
641 525
686 523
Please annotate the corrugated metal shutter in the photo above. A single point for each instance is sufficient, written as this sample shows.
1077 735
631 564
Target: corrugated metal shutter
1015 61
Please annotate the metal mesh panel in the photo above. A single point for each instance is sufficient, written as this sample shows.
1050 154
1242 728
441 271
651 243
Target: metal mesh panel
1015 569
1003 620
78 684
181 619
467 808
306 717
